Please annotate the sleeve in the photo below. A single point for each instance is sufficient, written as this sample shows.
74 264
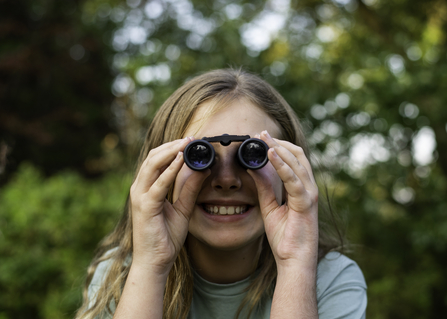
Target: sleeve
341 288
97 280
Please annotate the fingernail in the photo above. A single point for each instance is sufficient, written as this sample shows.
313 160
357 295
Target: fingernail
179 156
266 133
274 152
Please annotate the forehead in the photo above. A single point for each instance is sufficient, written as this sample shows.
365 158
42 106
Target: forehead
240 117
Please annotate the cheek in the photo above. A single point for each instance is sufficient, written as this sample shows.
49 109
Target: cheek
180 180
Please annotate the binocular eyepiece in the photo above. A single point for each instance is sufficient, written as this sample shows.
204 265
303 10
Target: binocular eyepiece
252 153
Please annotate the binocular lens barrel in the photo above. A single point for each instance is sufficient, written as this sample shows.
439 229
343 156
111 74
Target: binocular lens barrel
199 155
252 154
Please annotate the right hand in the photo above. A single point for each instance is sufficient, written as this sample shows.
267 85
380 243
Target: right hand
159 227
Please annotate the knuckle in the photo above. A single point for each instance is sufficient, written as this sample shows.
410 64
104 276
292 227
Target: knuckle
159 183
145 164
299 150
172 167
301 168
299 188
313 195
296 186
281 165
136 202
152 194
133 188
294 178
150 154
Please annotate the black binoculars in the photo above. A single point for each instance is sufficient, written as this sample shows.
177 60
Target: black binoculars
252 153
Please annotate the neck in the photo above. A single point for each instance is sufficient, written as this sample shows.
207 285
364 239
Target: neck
224 266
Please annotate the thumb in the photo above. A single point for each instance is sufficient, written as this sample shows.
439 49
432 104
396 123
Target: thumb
189 192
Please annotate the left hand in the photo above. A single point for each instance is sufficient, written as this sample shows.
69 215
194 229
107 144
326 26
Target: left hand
291 227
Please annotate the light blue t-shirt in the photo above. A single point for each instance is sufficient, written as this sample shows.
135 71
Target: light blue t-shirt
341 292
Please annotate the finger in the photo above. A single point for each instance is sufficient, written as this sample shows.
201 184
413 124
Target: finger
189 192
293 185
291 155
159 189
293 162
299 198
156 163
298 152
164 146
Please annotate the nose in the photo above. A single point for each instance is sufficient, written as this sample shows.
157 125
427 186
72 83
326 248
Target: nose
226 172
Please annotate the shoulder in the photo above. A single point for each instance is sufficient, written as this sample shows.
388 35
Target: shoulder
341 287
335 267
101 272
99 278
103 268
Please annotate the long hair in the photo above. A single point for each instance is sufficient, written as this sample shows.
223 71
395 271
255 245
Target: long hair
170 123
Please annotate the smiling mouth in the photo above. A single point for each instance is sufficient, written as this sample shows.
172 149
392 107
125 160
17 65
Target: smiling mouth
225 210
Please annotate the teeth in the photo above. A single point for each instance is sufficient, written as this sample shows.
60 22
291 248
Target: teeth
225 210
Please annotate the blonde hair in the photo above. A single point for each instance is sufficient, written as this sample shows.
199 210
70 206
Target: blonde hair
170 123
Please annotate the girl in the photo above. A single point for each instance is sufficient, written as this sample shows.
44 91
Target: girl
226 242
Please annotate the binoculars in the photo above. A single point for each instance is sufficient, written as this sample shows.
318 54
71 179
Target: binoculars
251 154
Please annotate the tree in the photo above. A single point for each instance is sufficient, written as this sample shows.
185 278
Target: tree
55 87
365 77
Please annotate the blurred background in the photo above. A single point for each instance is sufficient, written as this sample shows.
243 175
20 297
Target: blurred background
81 80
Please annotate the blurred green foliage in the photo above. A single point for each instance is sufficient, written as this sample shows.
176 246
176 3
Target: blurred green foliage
48 229
366 77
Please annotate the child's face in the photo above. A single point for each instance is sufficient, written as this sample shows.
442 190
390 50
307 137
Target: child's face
229 187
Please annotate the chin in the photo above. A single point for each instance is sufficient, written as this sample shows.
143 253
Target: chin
227 242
